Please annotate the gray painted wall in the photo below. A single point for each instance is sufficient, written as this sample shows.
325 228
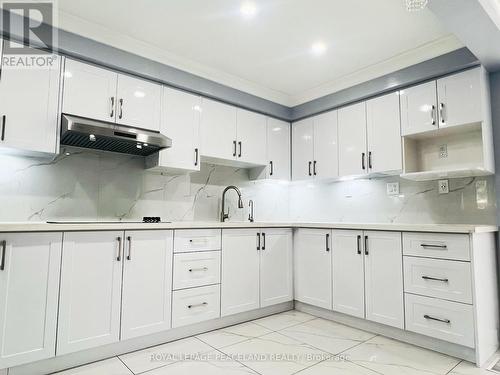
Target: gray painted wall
495 113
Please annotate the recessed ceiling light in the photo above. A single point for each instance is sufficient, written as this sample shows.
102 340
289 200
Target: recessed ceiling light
248 9
318 48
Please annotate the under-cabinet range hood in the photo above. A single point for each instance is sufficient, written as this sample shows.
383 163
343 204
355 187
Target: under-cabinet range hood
108 136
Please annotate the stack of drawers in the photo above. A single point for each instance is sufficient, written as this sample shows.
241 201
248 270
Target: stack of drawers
196 276
438 286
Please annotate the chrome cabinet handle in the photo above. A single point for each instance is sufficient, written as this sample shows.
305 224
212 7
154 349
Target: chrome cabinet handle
4 248
363 155
119 256
428 317
258 241
310 174
366 245
234 148
198 269
112 112
198 305
4 119
196 155
441 113
272 168
129 256
435 279
433 115
370 160
359 244
239 153
121 109
263 241
425 245
327 242
314 168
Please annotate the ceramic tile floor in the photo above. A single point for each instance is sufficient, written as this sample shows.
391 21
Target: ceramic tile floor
282 344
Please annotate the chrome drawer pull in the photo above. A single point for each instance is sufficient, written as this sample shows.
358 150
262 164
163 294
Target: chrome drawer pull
428 317
198 269
425 245
434 278
198 305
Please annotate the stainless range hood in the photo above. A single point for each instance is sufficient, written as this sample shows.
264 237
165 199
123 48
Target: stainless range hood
108 136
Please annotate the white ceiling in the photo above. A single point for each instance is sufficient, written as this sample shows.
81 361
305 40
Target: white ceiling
268 55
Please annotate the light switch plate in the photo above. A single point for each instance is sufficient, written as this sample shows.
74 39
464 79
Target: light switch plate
443 187
393 188
443 151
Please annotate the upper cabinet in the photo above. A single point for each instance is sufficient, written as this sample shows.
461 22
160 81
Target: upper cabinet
29 99
315 147
181 113
251 131
418 108
352 140
278 150
102 94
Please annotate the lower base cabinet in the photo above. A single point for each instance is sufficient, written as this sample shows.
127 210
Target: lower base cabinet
29 284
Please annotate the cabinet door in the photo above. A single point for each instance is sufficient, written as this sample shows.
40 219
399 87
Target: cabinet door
313 267
240 271
252 137
89 91
352 140
90 295
181 122
29 285
218 130
348 273
418 108
302 149
459 98
278 149
384 134
139 103
276 267
147 282
326 145
29 100
384 278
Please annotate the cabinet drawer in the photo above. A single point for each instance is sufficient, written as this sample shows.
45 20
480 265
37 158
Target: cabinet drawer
445 320
196 269
188 240
446 279
437 245
195 305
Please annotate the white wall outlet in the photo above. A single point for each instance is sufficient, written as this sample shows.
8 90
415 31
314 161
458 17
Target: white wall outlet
443 151
393 188
443 187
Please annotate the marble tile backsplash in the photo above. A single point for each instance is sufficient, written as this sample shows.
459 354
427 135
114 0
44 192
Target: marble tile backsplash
97 186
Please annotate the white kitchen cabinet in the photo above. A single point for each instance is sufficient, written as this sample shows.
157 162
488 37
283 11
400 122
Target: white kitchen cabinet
384 278
240 271
90 294
180 122
218 131
138 103
348 272
325 163
251 132
383 128
29 285
276 266
460 98
278 150
302 149
89 91
29 100
313 267
353 158
147 282
418 109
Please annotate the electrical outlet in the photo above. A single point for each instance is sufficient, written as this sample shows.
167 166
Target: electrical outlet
443 187
393 188
443 151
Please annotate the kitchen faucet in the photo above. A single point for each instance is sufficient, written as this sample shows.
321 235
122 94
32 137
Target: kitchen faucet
223 215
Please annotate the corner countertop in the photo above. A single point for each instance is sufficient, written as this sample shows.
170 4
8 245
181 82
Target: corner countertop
96 226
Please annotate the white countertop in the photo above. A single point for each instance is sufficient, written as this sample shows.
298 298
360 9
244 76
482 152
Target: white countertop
94 226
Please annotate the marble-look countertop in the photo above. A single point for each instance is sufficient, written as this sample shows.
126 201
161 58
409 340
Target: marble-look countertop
123 225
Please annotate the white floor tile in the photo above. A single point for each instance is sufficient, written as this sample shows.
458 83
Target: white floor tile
394 357
275 354
327 335
111 366
214 363
161 355
467 368
233 335
284 320
337 367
